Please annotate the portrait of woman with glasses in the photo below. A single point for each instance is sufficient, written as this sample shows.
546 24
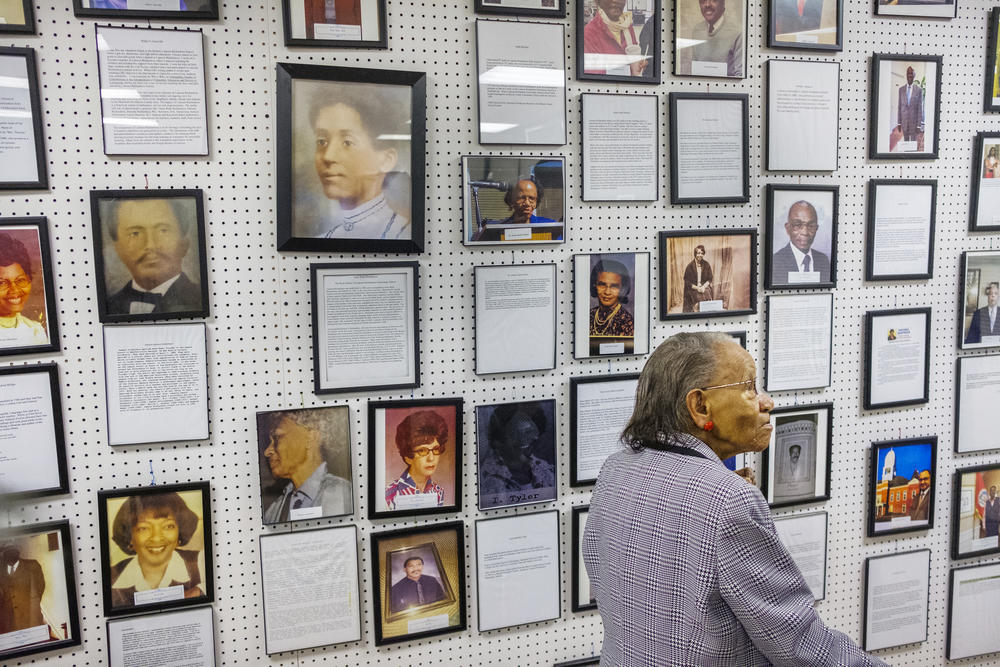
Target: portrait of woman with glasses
22 318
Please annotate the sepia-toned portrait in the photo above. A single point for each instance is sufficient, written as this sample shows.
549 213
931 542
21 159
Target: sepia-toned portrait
705 274
27 299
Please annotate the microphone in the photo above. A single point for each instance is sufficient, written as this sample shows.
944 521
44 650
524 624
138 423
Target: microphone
495 185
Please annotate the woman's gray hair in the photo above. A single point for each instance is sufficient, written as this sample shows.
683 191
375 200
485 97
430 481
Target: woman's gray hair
683 362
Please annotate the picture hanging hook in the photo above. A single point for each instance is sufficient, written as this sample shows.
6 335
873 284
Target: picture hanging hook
152 474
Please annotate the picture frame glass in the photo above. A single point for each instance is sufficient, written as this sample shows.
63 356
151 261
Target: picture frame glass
516 317
584 596
802 233
803 115
900 230
981 294
621 147
621 41
694 179
888 623
148 8
917 8
516 446
905 112
611 304
902 486
708 274
797 461
601 408
701 48
805 537
799 345
896 372
816 23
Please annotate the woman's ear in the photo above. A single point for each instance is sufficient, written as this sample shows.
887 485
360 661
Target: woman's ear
697 407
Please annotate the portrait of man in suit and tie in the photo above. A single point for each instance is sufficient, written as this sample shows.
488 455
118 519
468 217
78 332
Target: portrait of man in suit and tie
984 321
906 107
802 236
804 22
910 110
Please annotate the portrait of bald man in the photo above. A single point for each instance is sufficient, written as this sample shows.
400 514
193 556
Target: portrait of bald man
801 238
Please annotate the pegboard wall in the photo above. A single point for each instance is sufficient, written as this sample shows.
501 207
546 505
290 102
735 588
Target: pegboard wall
260 341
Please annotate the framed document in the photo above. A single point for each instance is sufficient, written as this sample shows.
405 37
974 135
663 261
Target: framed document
599 408
516 448
703 170
522 82
357 24
805 538
972 613
41 556
418 582
812 24
900 229
152 530
946 9
978 325
414 457
516 318
28 322
799 344
897 598
183 635
583 597
975 514
305 463
905 107
610 304
152 91
149 254
901 483
22 155
311 588
509 594
124 10
720 280
976 396
897 357
991 97
513 199
984 213
796 465
32 414
803 115
618 43
362 194
801 232
621 147
552 8
710 38
371 344
17 16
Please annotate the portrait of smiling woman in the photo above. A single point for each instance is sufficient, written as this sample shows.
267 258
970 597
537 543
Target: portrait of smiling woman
25 312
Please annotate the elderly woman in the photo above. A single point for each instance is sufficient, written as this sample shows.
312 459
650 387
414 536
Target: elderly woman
682 553
151 528
421 439
16 330
697 281
610 284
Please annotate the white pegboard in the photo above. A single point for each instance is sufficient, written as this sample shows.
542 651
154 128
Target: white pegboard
259 332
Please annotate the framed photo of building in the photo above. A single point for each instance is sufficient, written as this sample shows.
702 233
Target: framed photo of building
39 589
418 582
901 486
801 231
708 273
356 24
905 107
975 515
991 92
809 25
370 199
22 156
897 357
722 179
414 457
945 9
138 9
550 8
978 323
803 115
972 614
799 342
796 465
888 623
516 447
899 234
583 596
599 408
27 293
32 414
610 304
984 212
616 42
621 147
805 538
977 393
155 530
710 38
17 16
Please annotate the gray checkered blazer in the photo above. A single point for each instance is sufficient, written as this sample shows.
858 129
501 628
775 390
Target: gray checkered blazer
688 570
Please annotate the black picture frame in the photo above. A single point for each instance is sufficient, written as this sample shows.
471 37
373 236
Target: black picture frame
184 298
493 476
559 11
971 423
416 539
981 267
105 535
453 422
802 24
667 295
68 571
594 339
875 103
35 231
28 27
879 508
979 507
164 622
303 211
675 166
985 169
870 321
804 381
989 572
739 336
899 10
648 49
768 455
34 101
803 138
624 191
381 42
830 216
577 569
686 14
871 232
575 478
580 662
867 587
211 11
991 78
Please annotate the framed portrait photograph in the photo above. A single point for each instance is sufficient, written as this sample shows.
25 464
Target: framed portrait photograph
811 24
350 159
897 357
508 595
975 514
901 482
991 91
150 256
184 633
710 38
977 393
799 341
356 24
22 154
513 110
978 325
621 147
801 231
28 321
516 453
696 177
418 582
944 9
803 115
582 593
371 344
599 408
17 16
899 231
972 611
618 41
708 273
887 622
513 199
125 10
905 107
305 463
984 212
610 304
32 414
38 588
550 8
796 465
152 532
805 538
414 457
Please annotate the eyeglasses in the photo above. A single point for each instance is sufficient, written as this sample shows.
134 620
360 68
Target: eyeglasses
751 385
421 452
799 226
23 283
